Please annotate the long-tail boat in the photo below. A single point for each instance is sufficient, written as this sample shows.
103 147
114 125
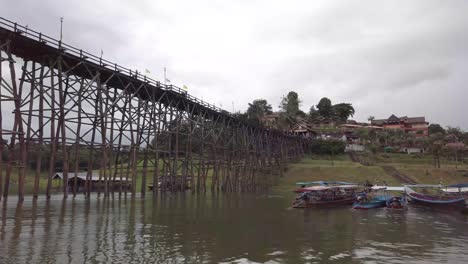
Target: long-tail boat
440 201
309 186
326 196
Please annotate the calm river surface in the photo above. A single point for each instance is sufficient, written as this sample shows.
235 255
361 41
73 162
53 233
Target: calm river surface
226 228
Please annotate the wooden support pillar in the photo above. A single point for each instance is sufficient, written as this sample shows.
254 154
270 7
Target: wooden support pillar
77 146
53 145
89 173
1 125
156 145
61 126
41 133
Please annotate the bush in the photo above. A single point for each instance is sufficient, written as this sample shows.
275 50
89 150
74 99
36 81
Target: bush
325 147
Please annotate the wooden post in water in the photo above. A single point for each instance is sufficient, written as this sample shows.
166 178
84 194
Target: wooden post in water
41 132
53 146
2 143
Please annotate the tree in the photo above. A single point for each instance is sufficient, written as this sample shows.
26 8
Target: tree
464 138
343 111
258 108
436 128
371 118
324 108
363 135
313 113
290 104
338 112
290 110
456 131
435 142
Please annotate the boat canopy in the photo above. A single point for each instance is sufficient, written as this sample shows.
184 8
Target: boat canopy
325 183
424 186
455 189
447 188
315 188
459 185
388 188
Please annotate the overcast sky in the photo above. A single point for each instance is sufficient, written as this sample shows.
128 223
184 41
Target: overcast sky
401 57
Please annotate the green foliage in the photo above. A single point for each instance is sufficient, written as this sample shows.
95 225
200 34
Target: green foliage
464 138
258 108
313 113
456 131
343 111
326 110
290 104
325 147
436 128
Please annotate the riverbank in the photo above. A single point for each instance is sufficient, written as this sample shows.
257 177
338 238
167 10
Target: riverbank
412 168
342 168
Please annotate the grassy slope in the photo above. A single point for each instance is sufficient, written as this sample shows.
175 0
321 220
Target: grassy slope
320 168
419 168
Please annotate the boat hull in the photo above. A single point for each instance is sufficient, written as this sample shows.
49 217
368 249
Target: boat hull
325 204
376 202
448 204
369 205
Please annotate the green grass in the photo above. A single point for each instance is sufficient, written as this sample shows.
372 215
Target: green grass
422 170
316 168
320 168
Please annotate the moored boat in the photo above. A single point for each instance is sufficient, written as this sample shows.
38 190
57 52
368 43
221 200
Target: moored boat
440 201
372 200
311 186
326 196
397 203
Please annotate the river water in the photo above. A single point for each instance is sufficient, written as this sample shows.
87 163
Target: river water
248 228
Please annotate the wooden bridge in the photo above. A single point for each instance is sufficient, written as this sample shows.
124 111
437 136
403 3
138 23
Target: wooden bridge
65 110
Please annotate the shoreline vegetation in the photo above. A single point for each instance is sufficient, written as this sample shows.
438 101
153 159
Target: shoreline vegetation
443 160
339 167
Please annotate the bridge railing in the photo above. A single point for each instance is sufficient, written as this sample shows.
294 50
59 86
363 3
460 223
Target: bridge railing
58 44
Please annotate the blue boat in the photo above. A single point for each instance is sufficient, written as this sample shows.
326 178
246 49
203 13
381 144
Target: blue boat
375 199
365 202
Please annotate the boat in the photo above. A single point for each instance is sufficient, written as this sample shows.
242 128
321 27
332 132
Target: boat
372 200
326 196
459 188
440 201
310 186
397 203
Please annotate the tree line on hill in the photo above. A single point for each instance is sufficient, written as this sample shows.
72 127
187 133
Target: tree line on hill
290 112
375 141
447 143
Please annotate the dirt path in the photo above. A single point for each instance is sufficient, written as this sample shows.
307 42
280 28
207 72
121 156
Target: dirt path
392 171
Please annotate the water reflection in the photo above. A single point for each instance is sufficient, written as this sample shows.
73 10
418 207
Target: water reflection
225 228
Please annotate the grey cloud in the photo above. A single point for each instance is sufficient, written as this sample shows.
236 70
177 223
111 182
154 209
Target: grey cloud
382 56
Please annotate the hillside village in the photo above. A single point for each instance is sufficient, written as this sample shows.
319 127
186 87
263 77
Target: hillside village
328 123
